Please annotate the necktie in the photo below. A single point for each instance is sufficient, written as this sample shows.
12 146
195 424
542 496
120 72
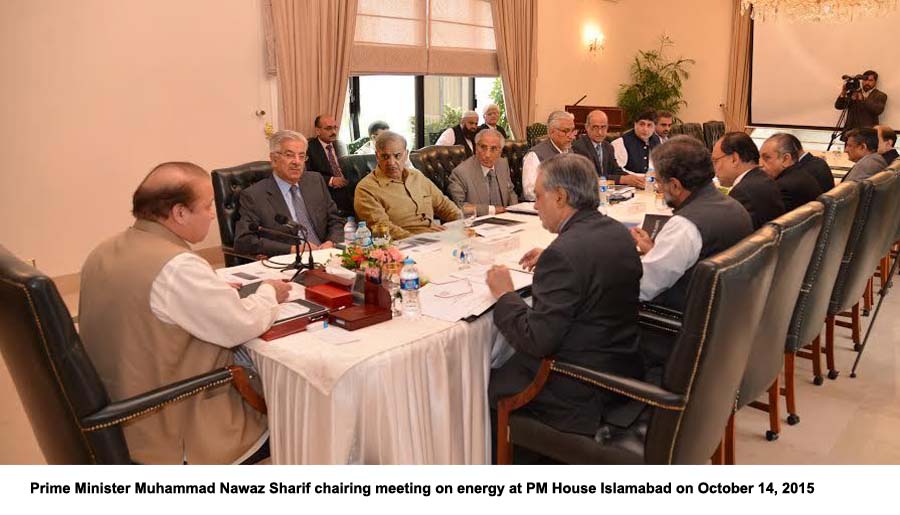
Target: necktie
599 148
332 160
493 189
302 215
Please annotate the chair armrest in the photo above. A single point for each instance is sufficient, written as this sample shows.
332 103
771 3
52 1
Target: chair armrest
229 251
660 317
122 411
636 389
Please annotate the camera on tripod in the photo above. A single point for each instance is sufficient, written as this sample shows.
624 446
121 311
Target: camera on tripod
852 83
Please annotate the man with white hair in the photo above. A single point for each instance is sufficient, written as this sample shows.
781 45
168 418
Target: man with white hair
482 181
491 117
462 134
561 131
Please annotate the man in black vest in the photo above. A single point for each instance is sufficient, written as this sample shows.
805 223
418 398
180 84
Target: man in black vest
778 158
462 134
594 146
705 222
561 132
633 148
736 159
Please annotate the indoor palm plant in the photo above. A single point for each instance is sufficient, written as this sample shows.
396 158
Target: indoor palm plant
656 82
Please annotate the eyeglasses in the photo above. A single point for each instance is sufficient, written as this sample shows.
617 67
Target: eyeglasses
716 159
485 148
384 156
290 156
567 131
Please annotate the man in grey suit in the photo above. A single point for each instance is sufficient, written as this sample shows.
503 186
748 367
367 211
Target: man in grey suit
862 149
483 180
289 194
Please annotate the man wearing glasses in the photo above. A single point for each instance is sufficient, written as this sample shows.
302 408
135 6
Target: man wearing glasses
290 193
400 196
482 181
561 131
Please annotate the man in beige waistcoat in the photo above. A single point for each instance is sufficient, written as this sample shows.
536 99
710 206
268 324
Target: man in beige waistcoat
152 313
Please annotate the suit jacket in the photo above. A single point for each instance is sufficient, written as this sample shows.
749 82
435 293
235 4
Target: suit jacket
890 156
862 113
797 187
318 162
582 314
260 204
467 184
866 167
819 170
760 197
608 166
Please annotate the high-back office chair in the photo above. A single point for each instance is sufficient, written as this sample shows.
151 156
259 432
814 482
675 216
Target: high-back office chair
712 131
70 411
514 152
437 162
689 411
227 186
354 168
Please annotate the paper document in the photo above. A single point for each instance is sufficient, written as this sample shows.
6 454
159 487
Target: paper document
336 336
523 207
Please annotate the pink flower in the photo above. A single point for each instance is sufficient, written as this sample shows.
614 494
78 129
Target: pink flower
395 254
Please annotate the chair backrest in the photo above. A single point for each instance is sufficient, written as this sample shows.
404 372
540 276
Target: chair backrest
799 231
514 152
354 168
53 374
712 131
873 231
693 129
710 353
227 186
437 161
534 131
840 204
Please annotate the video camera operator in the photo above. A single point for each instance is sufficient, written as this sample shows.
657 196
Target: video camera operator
862 101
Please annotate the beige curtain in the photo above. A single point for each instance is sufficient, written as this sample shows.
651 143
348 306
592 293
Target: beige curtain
736 108
313 39
515 30
271 62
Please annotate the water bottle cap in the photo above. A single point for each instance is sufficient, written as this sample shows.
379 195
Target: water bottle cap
351 219
408 261
362 223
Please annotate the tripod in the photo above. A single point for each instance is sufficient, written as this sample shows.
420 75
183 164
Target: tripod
838 129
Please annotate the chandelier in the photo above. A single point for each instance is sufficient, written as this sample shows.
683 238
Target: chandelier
816 10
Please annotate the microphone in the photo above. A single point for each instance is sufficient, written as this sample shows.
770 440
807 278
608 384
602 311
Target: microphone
256 228
304 242
291 225
579 100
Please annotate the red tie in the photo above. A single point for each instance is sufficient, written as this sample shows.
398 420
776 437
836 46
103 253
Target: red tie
332 159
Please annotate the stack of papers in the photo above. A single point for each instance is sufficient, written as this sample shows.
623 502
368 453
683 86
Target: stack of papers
463 294
523 207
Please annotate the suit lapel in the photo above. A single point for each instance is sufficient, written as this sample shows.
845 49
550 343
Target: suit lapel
276 199
309 199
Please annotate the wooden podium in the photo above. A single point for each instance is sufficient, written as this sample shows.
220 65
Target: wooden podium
615 114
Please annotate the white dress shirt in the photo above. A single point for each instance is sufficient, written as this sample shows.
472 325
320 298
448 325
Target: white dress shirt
676 249
448 138
189 294
621 154
530 165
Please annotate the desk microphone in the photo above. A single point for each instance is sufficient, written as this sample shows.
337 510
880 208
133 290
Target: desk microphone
256 228
294 227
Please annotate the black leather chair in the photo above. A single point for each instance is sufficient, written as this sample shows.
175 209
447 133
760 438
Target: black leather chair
798 230
354 168
437 162
514 152
689 410
227 186
693 129
712 131
874 230
68 406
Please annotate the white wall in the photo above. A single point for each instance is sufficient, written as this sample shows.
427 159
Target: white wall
97 92
701 30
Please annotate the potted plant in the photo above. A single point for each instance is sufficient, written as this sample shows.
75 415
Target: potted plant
656 82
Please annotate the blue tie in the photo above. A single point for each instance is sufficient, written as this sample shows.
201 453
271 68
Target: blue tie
599 148
302 215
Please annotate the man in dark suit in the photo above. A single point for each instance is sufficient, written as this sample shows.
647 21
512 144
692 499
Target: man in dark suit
324 152
736 159
816 167
863 105
483 180
887 138
862 149
290 193
600 152
778 157
582 313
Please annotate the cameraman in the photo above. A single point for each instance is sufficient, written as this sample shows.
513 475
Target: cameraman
863 102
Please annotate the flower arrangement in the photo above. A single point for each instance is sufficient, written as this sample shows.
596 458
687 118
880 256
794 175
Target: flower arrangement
355 257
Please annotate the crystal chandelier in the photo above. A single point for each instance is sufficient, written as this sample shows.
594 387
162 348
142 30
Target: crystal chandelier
816 10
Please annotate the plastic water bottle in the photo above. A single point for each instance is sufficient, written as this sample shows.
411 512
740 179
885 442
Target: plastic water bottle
409 290
650 180
604 194
363 235
350 231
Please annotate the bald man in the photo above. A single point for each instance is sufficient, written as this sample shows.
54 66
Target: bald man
153 313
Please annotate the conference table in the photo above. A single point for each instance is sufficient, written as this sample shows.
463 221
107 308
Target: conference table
402 391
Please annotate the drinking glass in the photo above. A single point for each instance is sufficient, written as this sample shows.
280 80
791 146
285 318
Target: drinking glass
381 235
469 214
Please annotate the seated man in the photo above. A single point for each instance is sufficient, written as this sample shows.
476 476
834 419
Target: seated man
491 117
325 150
815 166
735 158
664 121
401 197
887 138
594 146
633 148
153 313
705 222
290 193
375 128
778 157
584 312
483 180
862 149
561 133
462 134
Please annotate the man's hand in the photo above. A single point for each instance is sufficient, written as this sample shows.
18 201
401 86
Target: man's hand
857 95
633 180
337 182
530 259
282 289
326 245
499 281
642 240
435 228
